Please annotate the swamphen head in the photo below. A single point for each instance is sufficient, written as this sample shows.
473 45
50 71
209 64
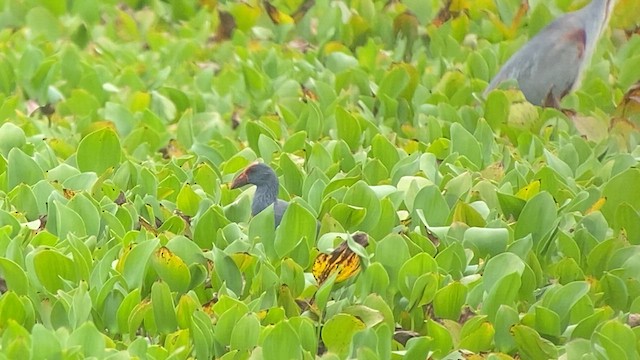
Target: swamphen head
266 182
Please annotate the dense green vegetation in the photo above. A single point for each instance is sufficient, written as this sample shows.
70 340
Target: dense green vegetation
496 229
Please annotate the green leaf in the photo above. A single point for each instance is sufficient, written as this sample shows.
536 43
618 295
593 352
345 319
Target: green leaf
188 201
16 341
43 22
384 151
15 276
370 317
348 128
297 224
466 214
11 136
547 322
510 205
563 300
531 345
477 334
163 308
506 317
282 342
411 269
504 292
449 300
135 261
629 180
442 340
244 336
21 168
537 218
338 332
89 339
361 195
99 151
45 344
619 334
465 144
486 242
68 221
392 252
51 269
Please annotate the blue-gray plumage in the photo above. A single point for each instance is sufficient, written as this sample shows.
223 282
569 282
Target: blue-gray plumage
550 65
267 188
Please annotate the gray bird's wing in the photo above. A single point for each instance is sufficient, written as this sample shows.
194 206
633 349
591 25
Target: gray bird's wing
278 210
550 62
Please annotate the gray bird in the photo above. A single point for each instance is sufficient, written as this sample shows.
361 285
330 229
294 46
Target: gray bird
266 182
549 66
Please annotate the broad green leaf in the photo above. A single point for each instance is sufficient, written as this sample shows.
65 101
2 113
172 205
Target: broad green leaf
442 340
282 342
133 263
349 216
486 242
547 322
338 332
22 169
384 151
297 224
504 292
412 269
392 253
245 333
16 341
449 300
622 188
531 345
163 308
537 218
361 195
89 339
370 317
465 144
506 317
52 268
15 276
621 340
188 201
11 136
348 128
477 334
99 151
45 344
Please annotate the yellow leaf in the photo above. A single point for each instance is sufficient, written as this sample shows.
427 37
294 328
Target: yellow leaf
341 260
529 191
596 205
243 260
277 16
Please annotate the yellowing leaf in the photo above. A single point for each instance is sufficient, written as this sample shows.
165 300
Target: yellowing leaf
342 261
171 269
277 16
243 260
596 205
529 191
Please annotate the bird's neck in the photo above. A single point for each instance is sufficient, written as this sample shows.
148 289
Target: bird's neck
266 194
600 14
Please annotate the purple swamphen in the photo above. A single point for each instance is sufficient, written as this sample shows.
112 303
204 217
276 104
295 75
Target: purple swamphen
550 65
267 188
